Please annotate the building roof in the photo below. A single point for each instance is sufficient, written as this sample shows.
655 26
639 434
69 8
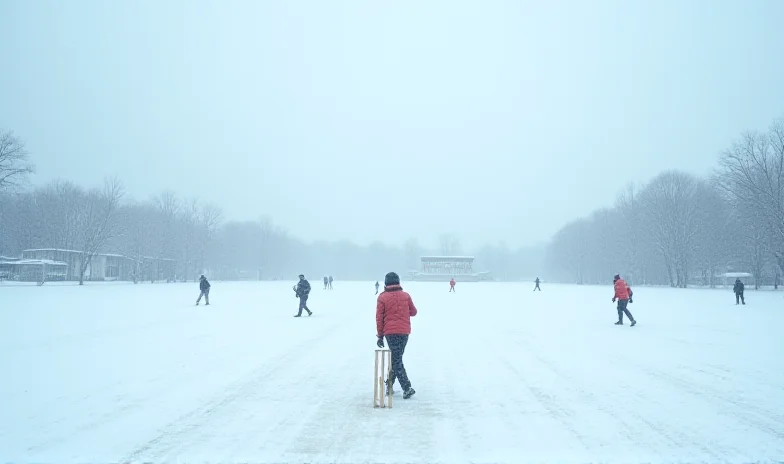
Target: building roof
38 262
51 249
113 255
735 274
447 258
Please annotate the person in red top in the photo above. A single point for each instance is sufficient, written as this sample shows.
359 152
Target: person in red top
623 293
394 311
452 285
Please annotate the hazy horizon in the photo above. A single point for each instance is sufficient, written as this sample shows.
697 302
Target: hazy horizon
492 121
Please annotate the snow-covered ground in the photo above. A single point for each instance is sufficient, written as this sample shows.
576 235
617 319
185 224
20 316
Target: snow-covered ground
116 373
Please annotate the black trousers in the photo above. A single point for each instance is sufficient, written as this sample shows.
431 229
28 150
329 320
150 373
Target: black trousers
623 310
397 345
739 298
206 294
303 304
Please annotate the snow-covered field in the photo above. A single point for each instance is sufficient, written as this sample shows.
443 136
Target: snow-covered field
117 373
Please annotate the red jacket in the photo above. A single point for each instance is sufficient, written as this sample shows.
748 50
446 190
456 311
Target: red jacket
394 311
452 282
622 290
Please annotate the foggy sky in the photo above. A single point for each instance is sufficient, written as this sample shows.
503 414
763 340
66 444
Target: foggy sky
492 120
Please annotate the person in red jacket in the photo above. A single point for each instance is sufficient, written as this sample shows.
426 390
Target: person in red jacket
394 311
623 293
452 285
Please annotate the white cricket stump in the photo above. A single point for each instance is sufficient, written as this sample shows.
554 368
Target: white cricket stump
383 367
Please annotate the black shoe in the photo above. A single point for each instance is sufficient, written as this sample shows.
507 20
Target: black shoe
633 323
310 313
408 393
298 315
619 323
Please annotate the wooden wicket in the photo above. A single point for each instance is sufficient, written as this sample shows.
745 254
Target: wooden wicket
379 386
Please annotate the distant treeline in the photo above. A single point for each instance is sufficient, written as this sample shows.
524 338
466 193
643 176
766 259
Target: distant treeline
679 229
64 215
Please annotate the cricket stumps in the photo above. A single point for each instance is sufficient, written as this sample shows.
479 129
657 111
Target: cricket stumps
382 372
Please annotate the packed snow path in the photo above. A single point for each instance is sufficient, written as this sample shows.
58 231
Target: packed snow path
117 373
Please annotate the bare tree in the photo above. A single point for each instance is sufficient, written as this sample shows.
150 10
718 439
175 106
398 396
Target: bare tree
637 253
14 163
266 240
412 252
757 255
168 206
135 235
568 253
674 218
188 233
210 218
712 248
753 173
97 221
449 244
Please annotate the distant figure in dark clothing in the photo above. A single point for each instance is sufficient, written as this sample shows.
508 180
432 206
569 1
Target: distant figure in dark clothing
302 290
537 285
326 282
204 287
738 289
452 285
376 287
330 282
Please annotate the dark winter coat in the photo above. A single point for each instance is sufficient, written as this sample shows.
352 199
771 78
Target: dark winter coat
739 287
303 288
394 311
204 285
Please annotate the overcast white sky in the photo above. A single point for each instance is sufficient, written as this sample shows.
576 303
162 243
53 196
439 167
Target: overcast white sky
493 120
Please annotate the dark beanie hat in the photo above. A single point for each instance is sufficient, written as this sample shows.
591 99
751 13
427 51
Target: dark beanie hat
617 277
391 279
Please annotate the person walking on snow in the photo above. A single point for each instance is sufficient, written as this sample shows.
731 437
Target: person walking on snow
330 282
623 293
394 310
326 282
302 290
537 285
738 289
452 285
376 287
204 288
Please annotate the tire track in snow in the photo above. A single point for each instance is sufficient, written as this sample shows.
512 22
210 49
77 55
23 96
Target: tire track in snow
555 409
173 434
748 413
620 409
123 401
